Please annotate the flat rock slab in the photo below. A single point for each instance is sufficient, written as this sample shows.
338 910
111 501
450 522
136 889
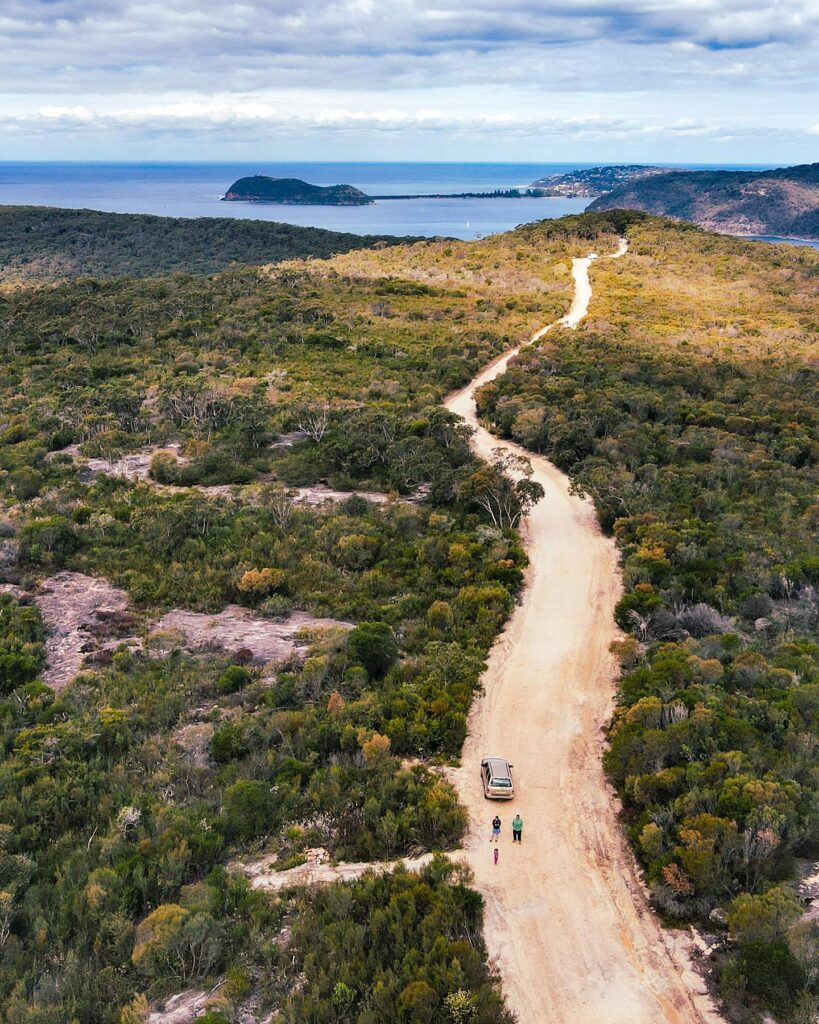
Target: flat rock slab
86 616
319 870
78 611
134 466
236 628
193 739
318 494
181 1008
808 889
289 439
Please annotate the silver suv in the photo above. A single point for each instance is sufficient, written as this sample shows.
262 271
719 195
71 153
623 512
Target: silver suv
496 775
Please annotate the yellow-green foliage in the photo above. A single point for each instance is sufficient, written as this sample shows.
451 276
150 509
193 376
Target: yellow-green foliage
685 405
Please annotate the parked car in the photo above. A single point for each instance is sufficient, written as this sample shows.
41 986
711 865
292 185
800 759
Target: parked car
496 775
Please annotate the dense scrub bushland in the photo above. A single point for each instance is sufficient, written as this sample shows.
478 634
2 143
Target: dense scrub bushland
425 946
686 407
109 822
125 795
45 244
350 354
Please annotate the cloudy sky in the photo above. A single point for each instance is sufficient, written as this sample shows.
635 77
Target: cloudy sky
686 80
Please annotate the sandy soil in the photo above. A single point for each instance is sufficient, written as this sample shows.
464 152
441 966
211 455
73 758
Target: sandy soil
567 921
237 628
318 870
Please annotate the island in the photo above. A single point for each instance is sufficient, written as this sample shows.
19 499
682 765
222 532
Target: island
588 182
261 188
782 202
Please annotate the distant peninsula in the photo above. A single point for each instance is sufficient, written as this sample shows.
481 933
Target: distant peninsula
497 193
589 182
782 202
260 188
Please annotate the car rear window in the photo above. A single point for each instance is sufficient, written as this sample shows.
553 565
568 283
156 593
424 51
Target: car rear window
502 782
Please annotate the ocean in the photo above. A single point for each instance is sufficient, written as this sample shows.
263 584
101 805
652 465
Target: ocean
194 190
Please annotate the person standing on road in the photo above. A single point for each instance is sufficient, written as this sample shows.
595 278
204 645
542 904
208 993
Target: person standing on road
496 827
517 828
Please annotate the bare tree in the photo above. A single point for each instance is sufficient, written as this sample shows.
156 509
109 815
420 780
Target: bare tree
314 421
504 488
279 502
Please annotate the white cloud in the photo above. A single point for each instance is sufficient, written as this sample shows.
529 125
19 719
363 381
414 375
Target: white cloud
466 66
202 116
83 44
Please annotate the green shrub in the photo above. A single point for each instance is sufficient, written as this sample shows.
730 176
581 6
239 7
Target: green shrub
26 483
233 678
249 809
229 743
772 974
373 644
16 670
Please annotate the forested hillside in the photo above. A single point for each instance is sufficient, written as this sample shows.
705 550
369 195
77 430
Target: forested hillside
686 407
779 202
42 244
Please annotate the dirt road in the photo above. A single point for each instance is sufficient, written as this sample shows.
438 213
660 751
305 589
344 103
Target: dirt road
566 917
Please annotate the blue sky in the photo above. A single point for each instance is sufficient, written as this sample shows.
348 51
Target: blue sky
725 81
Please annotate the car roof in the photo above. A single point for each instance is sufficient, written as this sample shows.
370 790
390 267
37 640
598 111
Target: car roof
499 765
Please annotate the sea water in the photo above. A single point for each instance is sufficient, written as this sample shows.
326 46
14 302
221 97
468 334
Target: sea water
195 190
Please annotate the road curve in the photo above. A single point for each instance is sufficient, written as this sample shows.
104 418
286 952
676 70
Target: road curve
567 921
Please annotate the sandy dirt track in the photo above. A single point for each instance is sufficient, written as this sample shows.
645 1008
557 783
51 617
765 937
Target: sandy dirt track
567 921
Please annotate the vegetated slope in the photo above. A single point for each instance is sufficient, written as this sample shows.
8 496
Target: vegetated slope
685 406
781 202
261 188
124 796
594 181
48 244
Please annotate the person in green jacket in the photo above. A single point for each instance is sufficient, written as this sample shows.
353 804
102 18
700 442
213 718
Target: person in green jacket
517 827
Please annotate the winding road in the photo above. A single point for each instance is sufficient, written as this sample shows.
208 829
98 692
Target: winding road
567 921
